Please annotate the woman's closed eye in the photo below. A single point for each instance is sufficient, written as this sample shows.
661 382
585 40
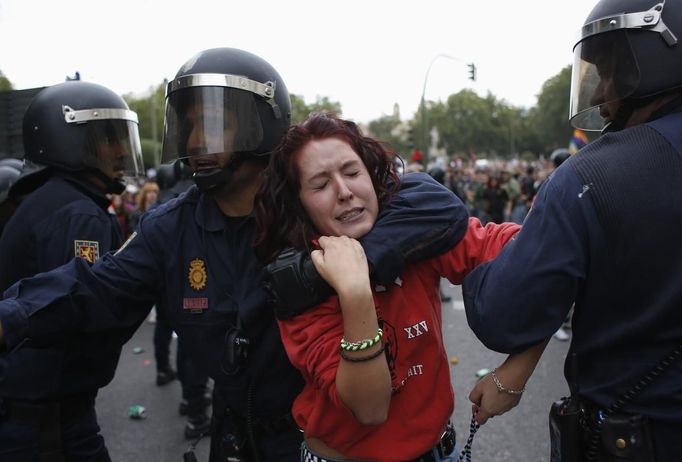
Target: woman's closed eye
320 185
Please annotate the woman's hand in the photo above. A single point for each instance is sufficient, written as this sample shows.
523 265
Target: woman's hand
342 263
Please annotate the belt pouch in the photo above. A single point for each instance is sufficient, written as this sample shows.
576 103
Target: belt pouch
626 438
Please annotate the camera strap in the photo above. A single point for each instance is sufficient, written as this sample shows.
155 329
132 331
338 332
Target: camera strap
465 454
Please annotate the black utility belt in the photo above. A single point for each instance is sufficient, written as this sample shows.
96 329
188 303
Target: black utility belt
233 434
580 431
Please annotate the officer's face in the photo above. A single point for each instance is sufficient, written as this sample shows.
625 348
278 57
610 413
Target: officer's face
111 156
211 133
605 95
336 189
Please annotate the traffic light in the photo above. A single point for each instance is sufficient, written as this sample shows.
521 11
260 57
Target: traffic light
410 138
472 72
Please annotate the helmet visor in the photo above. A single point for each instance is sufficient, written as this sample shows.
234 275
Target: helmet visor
203 120
604 71
112 146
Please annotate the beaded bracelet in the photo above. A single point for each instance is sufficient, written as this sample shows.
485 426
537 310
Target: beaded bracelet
355 359
501 388
362 344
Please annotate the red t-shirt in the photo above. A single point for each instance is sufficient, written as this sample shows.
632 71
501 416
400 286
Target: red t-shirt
409 312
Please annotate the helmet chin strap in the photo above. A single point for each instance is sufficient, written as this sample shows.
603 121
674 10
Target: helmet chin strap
215 178
111 185
625 110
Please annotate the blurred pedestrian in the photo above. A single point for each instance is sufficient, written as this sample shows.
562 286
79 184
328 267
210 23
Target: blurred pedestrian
145 198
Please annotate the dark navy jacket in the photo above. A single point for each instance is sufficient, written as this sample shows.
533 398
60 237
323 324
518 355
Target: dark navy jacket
201 266
604 231
64 218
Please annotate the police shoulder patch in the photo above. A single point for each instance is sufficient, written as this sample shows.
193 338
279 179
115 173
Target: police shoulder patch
88 250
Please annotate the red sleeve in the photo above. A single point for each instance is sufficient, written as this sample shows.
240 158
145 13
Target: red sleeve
479 245
312 340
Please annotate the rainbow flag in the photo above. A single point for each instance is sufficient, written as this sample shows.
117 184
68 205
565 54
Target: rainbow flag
578 141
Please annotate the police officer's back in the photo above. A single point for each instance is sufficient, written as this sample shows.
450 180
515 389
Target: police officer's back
603 232
85 138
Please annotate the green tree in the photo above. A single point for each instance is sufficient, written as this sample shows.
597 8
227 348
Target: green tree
467 122
300 110
391 131
550 116
150 113
5 84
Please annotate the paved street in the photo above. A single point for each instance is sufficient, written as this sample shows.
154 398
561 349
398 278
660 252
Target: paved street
520 435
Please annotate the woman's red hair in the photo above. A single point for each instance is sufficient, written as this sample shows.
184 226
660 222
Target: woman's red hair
281 220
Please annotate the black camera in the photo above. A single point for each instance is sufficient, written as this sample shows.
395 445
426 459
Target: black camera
293 284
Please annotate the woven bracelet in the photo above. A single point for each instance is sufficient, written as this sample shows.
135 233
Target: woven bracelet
362 344
360 359
501 388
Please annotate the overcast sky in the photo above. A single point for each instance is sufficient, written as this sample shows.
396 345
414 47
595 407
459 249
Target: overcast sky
368 55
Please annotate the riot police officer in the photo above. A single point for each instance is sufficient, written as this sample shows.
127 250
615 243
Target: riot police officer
86 140
603 232
193 255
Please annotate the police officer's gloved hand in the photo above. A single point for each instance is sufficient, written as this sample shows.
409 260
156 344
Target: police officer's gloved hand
293 283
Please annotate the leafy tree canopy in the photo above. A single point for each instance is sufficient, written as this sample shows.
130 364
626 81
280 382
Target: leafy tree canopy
5 84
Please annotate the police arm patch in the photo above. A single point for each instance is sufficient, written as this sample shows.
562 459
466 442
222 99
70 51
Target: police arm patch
88 250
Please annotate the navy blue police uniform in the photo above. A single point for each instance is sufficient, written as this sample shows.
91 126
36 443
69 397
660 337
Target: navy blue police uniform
603 231
201 265
52 390
79 140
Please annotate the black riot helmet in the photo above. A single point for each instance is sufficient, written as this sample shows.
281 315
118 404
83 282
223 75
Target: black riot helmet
438 174
559 156
224 101
627 51
80 126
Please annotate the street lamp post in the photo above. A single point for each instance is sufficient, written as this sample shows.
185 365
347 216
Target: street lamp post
425 129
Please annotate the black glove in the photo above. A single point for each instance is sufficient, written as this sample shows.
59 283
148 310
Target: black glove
293 284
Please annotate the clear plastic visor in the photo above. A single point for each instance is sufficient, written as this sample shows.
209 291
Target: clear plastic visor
205 120
112 146
604 72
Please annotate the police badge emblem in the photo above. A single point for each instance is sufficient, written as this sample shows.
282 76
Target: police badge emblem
197 274
88 250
